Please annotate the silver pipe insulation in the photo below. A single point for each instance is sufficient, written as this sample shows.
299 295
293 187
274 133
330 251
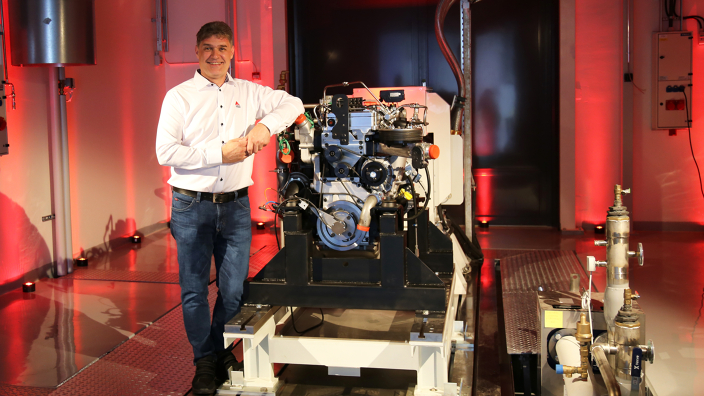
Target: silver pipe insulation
61 193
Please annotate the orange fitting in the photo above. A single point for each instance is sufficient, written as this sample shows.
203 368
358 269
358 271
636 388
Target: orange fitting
301 119
362 228
286 158
433 151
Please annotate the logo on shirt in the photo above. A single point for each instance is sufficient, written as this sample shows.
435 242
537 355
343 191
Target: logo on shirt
237 104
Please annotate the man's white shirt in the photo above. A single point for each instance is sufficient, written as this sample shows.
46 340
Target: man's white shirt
198 118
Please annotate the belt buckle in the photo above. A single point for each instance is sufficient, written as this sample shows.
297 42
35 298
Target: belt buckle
218 198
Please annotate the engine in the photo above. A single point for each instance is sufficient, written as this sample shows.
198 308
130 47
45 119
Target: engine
350 157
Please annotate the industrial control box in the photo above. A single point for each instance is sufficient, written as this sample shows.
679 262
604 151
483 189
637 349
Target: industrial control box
672 80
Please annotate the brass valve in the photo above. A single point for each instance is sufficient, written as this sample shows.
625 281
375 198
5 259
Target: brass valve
584 337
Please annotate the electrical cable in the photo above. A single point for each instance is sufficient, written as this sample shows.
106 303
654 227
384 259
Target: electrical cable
691 149
427 197
293 322
696 18
587 304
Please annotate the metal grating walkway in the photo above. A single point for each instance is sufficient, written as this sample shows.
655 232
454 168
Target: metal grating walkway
521 275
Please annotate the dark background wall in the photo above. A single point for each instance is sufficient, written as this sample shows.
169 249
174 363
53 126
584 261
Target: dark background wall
382 43
392 43
515 99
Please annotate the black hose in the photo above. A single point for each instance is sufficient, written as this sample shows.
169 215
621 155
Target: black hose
427 198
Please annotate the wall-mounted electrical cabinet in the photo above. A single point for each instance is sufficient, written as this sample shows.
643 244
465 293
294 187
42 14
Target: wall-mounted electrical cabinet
672 83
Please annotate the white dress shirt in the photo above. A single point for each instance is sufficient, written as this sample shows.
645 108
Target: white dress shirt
198 117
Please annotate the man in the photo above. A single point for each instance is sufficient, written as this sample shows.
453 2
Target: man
207 134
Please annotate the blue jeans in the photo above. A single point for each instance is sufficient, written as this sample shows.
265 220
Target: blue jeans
204 229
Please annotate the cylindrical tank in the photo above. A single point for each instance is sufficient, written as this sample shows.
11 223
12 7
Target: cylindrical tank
52 32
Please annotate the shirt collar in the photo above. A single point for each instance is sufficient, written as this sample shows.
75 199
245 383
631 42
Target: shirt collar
202 82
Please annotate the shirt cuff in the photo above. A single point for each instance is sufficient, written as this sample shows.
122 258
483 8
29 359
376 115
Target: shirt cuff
213 155
272 122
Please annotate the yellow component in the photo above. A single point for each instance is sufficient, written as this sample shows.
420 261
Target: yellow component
405 194
553 319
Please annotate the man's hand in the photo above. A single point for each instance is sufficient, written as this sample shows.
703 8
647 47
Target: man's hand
258 138
234 151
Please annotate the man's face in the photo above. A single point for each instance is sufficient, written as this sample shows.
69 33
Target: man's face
214 55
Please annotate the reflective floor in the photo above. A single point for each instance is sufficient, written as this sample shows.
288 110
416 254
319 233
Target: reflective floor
671 285
48 337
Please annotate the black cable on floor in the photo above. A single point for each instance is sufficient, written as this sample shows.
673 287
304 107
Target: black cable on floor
293 321
691 149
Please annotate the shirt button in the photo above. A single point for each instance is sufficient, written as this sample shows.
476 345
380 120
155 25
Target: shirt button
219 89
221 124
221 179
223 142
221 106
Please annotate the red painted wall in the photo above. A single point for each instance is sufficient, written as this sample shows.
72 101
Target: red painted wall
25 195
665 182
598 58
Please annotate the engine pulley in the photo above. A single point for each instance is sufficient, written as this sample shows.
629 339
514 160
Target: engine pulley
343 233
374 173
342 170
333 154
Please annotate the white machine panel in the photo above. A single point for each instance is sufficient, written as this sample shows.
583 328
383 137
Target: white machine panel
672 85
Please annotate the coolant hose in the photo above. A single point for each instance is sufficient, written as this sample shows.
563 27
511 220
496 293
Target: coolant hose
366 217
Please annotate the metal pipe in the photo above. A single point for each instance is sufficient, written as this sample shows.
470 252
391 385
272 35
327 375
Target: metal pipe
606 372
165 13
366 217
66 175
440 14
61 253
618 228
4 51
159 25
469 184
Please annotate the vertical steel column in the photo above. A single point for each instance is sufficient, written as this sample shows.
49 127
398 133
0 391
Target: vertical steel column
58 138
466 15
